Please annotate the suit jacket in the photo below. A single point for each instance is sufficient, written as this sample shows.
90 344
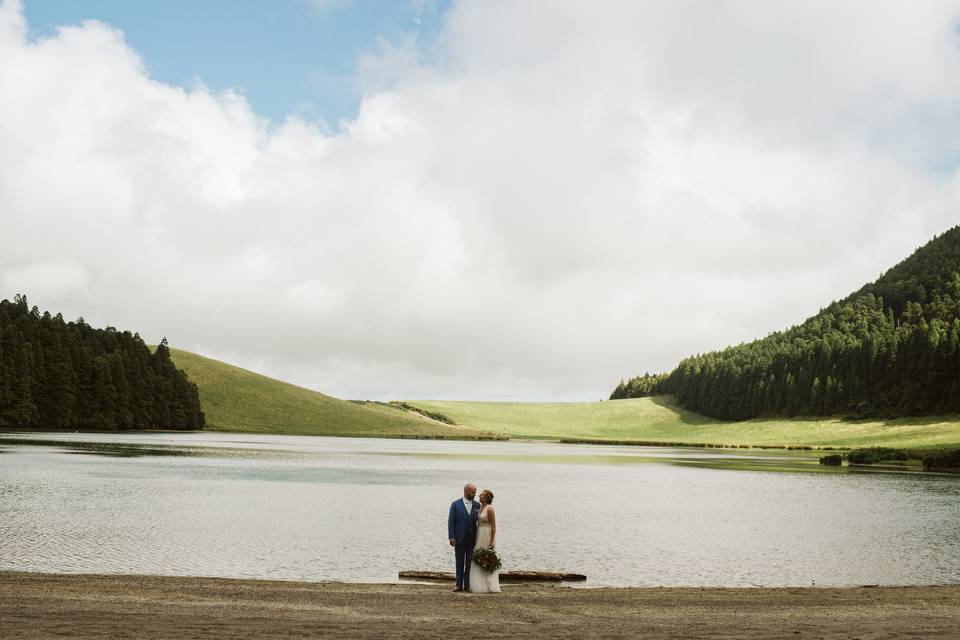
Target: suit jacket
459 522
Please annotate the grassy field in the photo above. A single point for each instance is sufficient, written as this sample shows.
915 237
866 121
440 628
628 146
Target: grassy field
235 399
660 420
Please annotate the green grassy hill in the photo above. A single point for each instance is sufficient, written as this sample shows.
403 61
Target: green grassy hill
659 419
235 399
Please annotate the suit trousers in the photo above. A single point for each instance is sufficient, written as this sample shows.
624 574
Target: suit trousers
464 553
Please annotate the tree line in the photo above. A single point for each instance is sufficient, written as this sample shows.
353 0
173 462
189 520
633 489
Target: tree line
67 375
890 349
639 387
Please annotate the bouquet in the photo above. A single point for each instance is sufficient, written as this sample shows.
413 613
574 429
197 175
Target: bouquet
487 559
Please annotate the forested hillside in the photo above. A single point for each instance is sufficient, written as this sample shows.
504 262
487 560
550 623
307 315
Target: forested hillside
68 375
890 349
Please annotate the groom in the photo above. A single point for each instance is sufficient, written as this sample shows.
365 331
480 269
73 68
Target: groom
462 533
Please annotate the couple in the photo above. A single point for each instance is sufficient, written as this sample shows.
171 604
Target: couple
473 524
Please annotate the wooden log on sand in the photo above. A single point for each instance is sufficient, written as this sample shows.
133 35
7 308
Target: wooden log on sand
505 576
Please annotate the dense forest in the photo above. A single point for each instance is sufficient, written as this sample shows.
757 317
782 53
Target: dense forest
890 349
639 387
67 375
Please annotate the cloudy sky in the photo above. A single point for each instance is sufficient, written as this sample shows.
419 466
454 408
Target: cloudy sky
477 199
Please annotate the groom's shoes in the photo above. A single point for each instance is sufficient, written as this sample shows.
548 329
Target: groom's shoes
456 589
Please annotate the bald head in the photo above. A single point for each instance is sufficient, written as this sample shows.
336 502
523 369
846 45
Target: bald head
469 491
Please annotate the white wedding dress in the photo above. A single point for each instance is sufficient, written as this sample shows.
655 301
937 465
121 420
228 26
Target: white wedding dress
483 581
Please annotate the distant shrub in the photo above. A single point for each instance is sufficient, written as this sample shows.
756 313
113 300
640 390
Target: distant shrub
946 460
439 417
877 454
833 460
863 456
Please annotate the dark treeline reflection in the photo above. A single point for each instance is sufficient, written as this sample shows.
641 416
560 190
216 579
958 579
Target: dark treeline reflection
67 375
890 349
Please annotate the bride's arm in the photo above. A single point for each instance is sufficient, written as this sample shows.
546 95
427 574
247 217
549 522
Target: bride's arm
492 515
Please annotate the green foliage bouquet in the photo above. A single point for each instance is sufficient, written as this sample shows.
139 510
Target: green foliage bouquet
487 559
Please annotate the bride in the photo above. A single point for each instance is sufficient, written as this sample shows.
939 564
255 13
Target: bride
483 581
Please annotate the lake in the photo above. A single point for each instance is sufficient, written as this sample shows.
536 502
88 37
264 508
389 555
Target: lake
314 508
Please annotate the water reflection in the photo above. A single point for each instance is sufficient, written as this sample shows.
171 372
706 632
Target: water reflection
537 452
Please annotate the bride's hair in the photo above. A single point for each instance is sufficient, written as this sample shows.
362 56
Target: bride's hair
489 496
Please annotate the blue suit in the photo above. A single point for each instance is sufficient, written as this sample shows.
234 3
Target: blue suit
462 527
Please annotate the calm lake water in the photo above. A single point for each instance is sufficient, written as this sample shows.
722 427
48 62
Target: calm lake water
311 508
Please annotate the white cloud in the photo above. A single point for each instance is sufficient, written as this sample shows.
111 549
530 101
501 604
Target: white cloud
567 194
61 280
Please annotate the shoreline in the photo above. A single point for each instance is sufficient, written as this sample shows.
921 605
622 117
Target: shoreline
388 436
485 437
36 605
912 466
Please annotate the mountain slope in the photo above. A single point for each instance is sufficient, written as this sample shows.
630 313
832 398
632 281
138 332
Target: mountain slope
890 349
234 399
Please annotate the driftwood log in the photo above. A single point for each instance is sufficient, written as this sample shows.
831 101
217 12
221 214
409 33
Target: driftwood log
505 576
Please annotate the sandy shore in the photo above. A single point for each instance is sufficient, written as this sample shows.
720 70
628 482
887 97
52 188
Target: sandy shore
48 606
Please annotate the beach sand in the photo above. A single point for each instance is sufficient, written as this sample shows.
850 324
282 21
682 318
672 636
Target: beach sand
112 606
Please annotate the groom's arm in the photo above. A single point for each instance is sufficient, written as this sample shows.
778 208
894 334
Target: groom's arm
451 535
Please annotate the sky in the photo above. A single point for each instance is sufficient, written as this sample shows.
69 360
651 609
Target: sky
470 199
285 57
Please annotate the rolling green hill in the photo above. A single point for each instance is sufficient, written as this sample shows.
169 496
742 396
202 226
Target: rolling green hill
235 399
660 419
